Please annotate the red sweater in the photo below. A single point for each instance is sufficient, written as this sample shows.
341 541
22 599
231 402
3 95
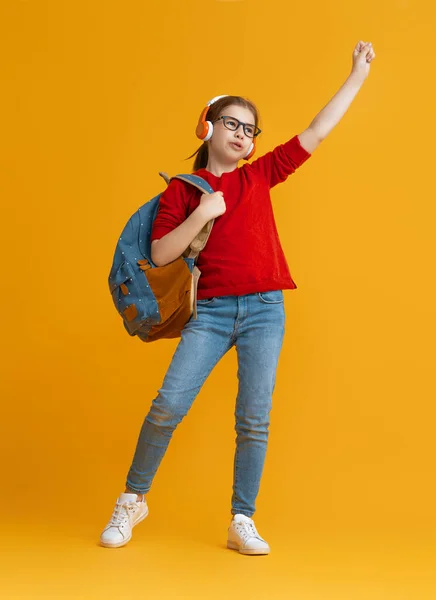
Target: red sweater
243 254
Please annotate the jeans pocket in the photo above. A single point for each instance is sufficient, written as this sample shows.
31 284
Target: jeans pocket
274 297
205 301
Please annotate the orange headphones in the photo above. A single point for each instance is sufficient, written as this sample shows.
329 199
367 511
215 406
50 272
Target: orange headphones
204 129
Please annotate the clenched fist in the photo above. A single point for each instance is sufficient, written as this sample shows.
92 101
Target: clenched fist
363 55
212 205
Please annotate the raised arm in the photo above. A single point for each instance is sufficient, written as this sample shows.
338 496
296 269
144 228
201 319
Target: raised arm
333 112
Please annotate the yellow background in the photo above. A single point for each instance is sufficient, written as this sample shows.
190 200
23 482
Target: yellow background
99 96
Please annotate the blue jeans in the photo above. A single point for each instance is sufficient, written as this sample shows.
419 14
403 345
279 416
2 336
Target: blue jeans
255 324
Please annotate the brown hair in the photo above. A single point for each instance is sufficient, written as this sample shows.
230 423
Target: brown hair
214 110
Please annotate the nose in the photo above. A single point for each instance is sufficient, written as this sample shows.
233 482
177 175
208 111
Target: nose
240 130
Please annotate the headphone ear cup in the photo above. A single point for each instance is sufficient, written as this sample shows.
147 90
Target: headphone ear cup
203 126
208 129
251 151
202 130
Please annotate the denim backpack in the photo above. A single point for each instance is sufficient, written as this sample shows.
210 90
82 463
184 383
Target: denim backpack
155 302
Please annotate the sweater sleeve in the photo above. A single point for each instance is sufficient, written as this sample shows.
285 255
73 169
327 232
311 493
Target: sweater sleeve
172 211
275 166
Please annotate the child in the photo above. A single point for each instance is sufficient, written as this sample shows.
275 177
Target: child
240 296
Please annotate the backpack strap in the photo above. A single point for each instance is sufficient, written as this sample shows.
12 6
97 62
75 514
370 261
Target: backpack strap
199 242
194 180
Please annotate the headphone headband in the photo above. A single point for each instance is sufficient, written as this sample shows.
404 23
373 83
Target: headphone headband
215 99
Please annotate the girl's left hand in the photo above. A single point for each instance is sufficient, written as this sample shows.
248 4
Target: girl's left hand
363 55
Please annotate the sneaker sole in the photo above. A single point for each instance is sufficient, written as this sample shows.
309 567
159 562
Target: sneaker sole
126 540
234 546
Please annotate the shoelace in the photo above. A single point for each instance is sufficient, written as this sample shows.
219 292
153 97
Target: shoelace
120 516
247 530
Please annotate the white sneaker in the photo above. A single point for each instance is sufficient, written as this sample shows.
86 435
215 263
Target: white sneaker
243 536
127 513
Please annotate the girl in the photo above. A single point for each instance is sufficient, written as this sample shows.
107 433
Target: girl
240 299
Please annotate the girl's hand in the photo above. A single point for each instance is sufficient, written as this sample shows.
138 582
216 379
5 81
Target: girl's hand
363 55
212 205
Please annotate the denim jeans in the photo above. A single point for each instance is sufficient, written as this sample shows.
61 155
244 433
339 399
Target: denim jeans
255 324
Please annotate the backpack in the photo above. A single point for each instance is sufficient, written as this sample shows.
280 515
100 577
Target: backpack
155 302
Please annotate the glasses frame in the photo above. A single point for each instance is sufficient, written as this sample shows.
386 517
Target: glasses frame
244 125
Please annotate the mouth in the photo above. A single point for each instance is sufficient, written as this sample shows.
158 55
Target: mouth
236 145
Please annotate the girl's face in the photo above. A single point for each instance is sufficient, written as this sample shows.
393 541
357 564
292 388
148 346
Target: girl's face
230 146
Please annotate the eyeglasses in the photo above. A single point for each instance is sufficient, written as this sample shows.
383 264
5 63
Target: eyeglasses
233 124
